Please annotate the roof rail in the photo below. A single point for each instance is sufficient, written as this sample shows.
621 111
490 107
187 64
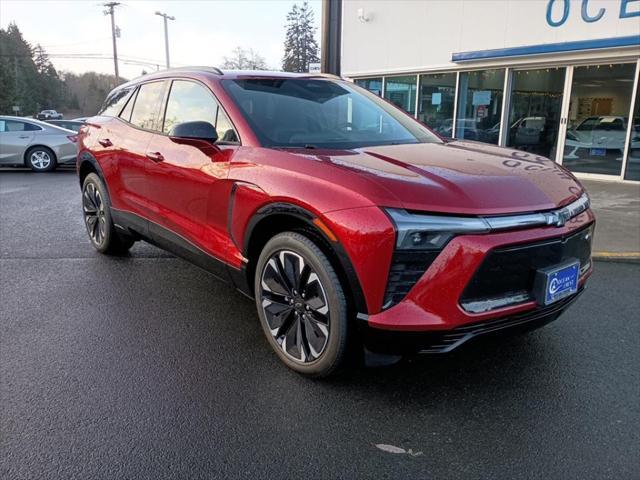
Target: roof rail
326 75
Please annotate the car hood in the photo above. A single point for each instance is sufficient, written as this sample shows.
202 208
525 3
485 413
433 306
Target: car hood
461 177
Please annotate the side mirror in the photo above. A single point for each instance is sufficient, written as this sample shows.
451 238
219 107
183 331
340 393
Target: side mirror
194 131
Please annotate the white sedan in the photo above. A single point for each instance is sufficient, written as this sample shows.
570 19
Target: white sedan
35 144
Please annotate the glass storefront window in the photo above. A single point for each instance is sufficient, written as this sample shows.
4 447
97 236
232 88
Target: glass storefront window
435 102
374 85
401 91
534 114
480 105
598 117
633 161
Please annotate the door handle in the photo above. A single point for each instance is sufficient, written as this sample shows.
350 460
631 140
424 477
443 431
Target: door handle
155 156
105 142
23 136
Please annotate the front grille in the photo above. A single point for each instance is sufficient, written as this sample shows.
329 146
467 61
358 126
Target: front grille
510 272
406 269
450 340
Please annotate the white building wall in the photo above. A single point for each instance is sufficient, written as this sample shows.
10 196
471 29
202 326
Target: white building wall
414 35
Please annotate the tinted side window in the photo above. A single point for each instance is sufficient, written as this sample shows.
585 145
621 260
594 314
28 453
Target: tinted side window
126 112
30 127
189 102
589 124
115 101
147 105
16 126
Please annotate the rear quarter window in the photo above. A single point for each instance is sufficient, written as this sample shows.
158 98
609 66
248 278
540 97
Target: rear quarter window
30 127
115 101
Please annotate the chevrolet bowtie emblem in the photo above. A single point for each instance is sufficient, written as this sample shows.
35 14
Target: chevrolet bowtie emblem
557 219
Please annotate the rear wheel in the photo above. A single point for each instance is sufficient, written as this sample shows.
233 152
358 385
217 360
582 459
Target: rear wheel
97 218
41 159
301 305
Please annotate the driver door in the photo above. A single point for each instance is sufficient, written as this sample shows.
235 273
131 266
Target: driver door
186 182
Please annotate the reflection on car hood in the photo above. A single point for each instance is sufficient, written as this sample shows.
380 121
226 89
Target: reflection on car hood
461 177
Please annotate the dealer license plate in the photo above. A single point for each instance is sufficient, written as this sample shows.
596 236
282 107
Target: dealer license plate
556 283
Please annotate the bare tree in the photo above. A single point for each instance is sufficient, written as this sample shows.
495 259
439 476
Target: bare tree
244 59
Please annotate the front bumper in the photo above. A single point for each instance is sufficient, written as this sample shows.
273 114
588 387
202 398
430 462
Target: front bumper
433 307
444 341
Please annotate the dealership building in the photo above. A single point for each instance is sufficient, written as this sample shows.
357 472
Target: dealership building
557 78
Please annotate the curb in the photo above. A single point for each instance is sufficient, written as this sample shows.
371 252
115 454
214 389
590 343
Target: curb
624 257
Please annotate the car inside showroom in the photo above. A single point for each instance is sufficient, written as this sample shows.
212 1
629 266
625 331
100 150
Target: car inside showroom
553 78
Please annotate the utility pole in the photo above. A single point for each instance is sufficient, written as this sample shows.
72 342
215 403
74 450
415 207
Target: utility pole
331 36
15 73
166 34
110 6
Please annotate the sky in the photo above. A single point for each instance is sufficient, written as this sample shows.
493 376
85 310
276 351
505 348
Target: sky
203 32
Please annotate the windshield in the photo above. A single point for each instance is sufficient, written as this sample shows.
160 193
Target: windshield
318 113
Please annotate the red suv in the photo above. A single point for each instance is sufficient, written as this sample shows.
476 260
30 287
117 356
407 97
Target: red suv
348 221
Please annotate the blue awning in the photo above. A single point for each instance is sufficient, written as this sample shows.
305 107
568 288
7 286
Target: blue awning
630 41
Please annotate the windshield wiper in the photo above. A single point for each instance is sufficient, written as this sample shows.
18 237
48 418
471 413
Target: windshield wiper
307 146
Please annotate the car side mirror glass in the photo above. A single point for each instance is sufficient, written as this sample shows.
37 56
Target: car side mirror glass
197 130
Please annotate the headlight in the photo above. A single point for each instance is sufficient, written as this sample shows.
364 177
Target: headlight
431 232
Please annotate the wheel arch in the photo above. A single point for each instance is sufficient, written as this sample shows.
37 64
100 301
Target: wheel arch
280 217
87 164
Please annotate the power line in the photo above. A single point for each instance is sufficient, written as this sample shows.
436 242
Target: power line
84 42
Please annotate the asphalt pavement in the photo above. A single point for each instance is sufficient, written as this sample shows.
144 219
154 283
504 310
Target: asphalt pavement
147 367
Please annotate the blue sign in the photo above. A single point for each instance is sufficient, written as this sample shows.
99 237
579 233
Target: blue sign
589 13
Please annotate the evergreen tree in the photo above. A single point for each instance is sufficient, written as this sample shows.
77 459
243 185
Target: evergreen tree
50 89
300 45
29 80
18 72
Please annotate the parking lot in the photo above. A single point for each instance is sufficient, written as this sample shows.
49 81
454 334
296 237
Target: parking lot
147 367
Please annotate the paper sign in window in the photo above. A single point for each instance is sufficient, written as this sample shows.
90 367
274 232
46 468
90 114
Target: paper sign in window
482 97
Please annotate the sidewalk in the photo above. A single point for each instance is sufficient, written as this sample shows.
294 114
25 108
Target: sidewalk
617 209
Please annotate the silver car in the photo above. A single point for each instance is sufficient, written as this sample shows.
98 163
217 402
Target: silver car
35 144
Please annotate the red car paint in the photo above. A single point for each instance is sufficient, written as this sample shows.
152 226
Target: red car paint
210 196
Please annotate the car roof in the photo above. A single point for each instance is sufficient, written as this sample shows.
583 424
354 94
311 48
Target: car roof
216 73
36 122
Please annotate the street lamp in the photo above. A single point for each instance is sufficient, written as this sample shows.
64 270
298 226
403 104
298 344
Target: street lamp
166 34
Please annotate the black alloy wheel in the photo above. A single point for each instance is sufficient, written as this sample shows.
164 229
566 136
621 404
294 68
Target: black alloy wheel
301 304
295 306
94 213
96 210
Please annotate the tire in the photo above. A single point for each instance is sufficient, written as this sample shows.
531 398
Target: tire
96 208
306 324
40 159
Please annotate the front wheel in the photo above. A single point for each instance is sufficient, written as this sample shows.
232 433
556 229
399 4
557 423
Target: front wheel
301 305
